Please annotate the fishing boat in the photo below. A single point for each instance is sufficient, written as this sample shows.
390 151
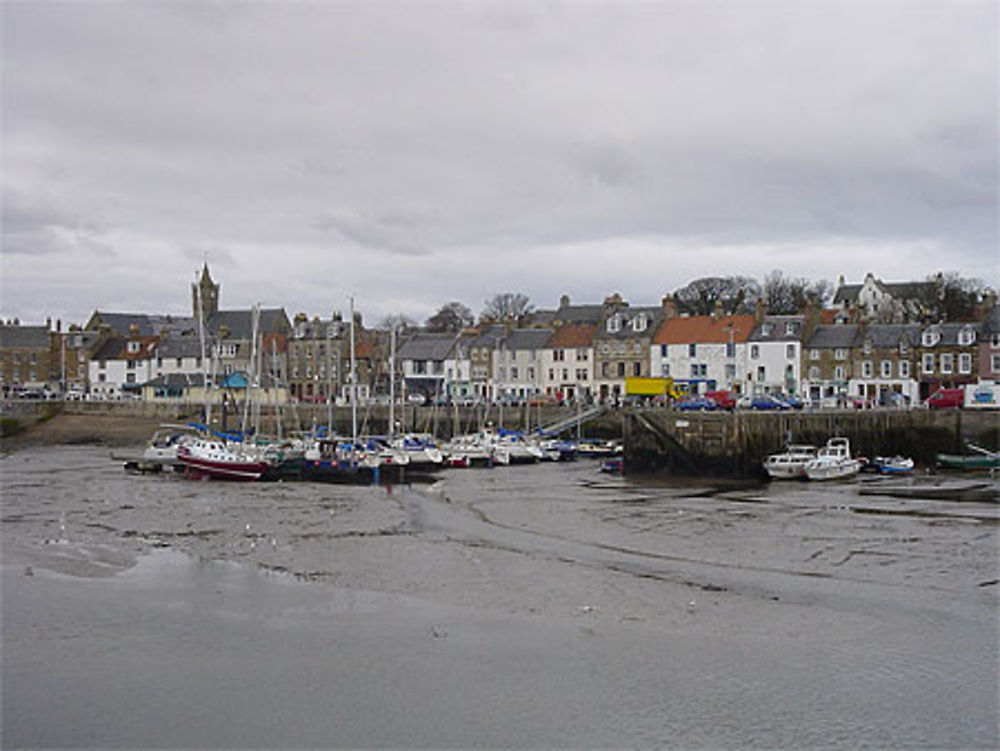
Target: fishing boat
215 458
791 463
833 462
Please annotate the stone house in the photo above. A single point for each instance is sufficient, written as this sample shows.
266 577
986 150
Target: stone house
886 302
621 346
28 357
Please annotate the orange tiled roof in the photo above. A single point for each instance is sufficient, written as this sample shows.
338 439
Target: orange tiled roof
702 329
573 335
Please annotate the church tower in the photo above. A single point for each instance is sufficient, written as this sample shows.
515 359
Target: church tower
208 292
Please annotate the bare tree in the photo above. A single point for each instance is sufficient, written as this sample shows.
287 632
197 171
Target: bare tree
736 294
398 321
452 317
785 295
505 306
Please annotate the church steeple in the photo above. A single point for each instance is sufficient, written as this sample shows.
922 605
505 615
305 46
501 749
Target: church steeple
208 292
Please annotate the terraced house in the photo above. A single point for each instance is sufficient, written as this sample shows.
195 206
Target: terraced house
948 355
621 346
702 353
27 357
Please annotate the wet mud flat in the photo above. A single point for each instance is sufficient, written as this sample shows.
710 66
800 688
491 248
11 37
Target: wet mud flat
518 607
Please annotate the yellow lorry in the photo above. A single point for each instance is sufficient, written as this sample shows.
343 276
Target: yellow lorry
653 387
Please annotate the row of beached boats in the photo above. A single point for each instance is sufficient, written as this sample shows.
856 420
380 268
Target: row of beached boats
327 457
835 462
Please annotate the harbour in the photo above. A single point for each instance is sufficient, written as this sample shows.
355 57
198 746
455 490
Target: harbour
539 605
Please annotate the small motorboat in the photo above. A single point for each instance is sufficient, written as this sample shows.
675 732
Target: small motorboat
833 462
791 463
890 465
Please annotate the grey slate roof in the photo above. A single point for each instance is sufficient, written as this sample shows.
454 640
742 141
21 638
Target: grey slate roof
240 322
833 337
778 332
628 314
889 336
527 339
579 314
27 337
185 346
949 332
423 346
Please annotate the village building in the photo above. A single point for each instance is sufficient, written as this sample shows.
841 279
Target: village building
887 302
948 356
989 347
882 365
427 364
519 367
773 364
702 353
28 359
121 365
568 363
621 346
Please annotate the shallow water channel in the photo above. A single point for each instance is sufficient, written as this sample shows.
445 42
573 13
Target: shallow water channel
546 605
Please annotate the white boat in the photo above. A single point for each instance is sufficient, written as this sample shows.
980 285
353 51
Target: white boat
518 449
420 450
208 457
474 449
833 462
791 463
890 465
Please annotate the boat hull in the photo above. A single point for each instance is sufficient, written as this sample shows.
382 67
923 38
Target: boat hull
246 471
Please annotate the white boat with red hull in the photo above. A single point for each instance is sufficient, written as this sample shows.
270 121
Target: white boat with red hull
205 457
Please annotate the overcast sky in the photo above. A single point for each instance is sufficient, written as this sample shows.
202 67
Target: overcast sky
414 153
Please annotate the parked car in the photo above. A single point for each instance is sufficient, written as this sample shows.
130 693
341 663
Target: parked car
697 403
722 399
945 398
766 401
793 402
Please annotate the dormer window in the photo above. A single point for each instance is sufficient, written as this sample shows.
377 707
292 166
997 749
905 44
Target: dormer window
931 337
133 347
615 324
766 329
868 346
639 323
791 328
966 336
904 346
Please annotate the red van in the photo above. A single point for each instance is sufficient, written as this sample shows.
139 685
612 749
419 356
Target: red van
943 398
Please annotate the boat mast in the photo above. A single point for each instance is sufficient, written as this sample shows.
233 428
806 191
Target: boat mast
354 384
252 375
392 380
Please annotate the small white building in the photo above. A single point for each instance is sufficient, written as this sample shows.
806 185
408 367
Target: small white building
774 350
121 366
